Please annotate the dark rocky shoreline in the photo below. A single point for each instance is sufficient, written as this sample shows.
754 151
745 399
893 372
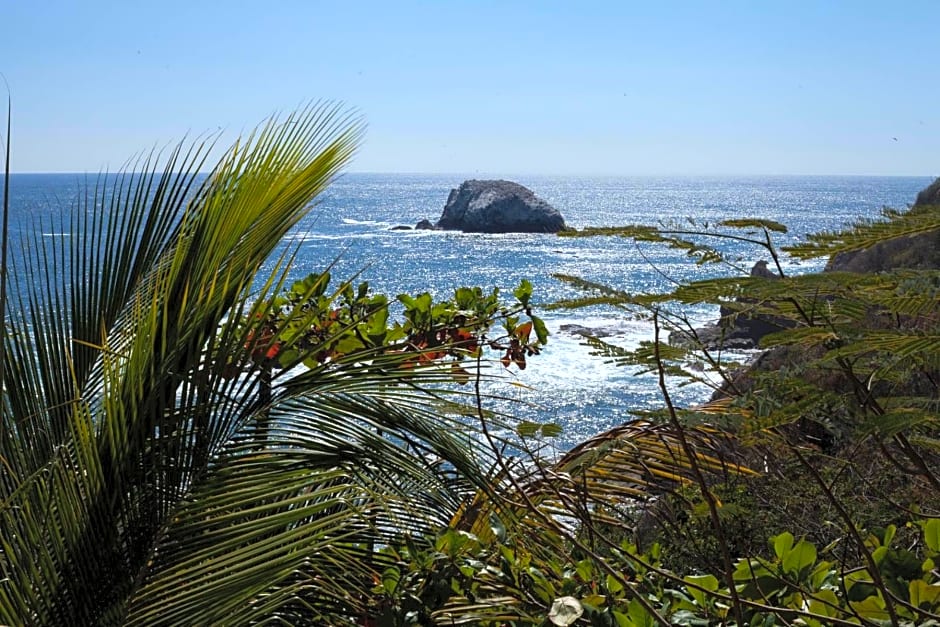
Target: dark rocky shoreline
740 331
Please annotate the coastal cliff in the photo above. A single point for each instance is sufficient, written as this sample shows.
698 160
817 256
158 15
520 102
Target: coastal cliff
915 252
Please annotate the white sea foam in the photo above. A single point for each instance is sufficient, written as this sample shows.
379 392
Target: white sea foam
352 222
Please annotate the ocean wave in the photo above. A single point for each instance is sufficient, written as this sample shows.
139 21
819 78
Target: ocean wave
313 236
352 222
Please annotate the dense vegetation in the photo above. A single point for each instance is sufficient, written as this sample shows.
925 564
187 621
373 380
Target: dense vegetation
186 441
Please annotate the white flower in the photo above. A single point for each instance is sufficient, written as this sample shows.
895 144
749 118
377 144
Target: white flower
565 611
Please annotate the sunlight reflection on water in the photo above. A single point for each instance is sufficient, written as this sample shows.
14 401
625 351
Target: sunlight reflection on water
351 227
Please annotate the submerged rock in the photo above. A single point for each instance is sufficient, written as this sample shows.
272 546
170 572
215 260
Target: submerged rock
737 329
498 207
585 331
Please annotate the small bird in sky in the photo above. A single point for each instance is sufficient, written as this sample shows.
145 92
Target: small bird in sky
895 138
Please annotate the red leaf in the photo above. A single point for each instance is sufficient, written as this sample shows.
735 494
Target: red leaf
462 335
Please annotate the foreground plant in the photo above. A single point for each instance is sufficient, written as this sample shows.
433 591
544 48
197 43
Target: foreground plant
460 579
185 442
839 414
837 441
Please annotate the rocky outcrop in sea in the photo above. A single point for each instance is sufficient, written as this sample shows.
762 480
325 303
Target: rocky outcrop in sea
479 206
737 329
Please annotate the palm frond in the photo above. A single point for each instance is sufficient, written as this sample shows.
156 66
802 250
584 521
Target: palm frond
340 473
625 466
116 408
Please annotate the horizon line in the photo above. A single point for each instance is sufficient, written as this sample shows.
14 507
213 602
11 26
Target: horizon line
485 173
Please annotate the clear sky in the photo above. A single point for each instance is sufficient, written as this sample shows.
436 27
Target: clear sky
618 87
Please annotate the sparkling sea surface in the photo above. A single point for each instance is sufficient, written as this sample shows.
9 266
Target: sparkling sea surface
351 226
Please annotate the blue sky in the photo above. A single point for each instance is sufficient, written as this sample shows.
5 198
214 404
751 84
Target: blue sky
618 87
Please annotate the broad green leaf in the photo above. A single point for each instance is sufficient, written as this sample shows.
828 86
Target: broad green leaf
541 331
585 570
524 292
708 582
782 544
932 534
594 601
824 603
923 595
390 578
639 615
889 534
622 619
872 608
800 558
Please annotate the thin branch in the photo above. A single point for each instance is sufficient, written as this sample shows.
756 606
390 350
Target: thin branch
699 477
853 531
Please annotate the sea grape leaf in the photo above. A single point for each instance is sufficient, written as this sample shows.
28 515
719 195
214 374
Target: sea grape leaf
594 601
390 578
932 534
923 595
708 582
524 292
541 332
824 603
782 544
800 558
872 608
639 615
889 533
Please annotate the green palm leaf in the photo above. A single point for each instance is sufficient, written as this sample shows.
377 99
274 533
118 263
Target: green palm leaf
134 486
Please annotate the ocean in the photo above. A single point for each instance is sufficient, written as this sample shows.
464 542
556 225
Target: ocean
352 224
